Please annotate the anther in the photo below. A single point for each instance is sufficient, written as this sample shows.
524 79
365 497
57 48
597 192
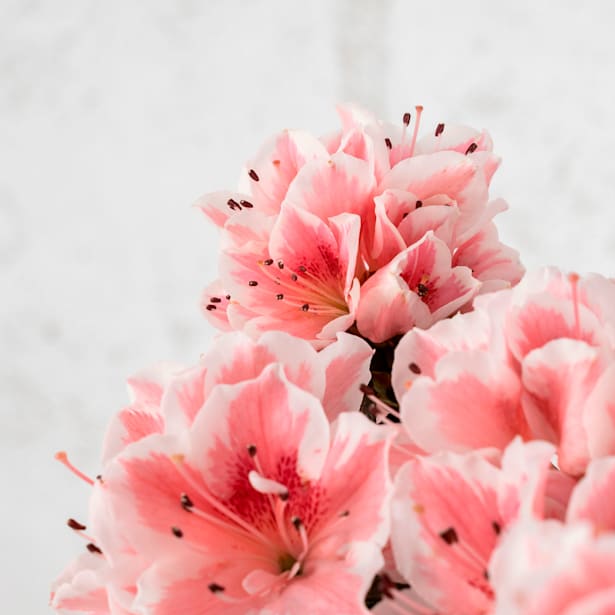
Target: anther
283 496
388 143
214 588
406 119
92 548
419 204
253 175
422 290
439 130
210 307
233 204
186 502
496 527
252 450
268 261
215 300
449 536
414 368
296 521
294 277
75 525
228 297
177 532
471 148
247 204
305 307
281 264
302 268
344 513
252 283
279 297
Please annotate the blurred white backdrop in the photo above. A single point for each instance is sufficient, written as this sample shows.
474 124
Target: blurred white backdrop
116 115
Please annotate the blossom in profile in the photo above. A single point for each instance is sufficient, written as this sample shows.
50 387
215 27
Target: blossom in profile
323 231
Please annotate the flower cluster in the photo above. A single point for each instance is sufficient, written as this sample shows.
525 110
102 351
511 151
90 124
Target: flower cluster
391 421
369 225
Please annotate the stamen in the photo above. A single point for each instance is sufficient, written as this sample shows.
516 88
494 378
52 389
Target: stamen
268 261
214 588
252 283
414 368
305 307
449 536
75 525
233 204
246 204
417 121
252 450
439 130
92 548
210 307
406 119
219 506
279 297
177 532
419 204
253 175
496 527
388 143
422 290
215 300
62 457
574 282
471 148
186 502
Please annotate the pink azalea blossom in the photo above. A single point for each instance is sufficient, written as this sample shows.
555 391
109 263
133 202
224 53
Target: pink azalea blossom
323 232
447 515
547 568
258 503
537 361
168 405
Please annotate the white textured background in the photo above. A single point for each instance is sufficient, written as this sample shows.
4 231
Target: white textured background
115 115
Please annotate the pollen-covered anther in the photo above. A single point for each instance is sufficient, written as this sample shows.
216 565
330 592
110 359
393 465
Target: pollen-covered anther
215 588
252 283
186 502
422 290
449 536
414 368
252 450
305 307
246 204
177 532
253 175
92 548
471 148
439 130
75 525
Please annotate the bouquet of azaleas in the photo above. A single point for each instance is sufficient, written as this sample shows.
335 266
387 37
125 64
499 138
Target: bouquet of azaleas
391 420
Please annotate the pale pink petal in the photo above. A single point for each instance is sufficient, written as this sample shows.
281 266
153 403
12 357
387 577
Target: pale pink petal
276 165
346 362
599 418
454 137
472 402
593 499
445 523
283 422
236 357
326 188
418 351
215 301
546 568
183 398
220 206
557 380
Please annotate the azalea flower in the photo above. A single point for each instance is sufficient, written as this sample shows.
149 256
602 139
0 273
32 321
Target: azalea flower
323 233
535 361
448 513
238 455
